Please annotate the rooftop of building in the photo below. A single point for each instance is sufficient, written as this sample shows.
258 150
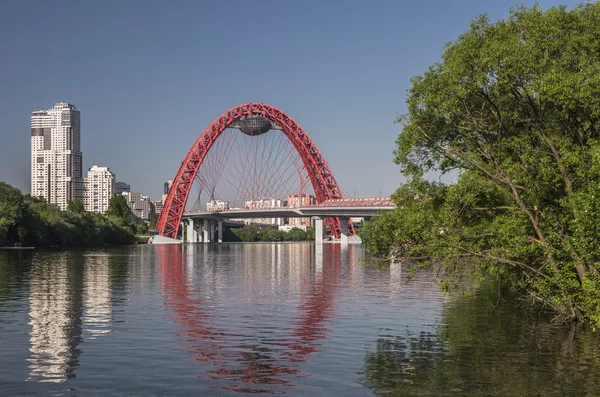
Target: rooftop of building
58 105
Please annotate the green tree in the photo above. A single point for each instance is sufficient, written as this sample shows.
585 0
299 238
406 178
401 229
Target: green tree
11 213
248 233
153 218
32 221
121 214
272 234
117 207
514 106
295 234
76 206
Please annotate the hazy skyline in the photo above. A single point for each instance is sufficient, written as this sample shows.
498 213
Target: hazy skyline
149 77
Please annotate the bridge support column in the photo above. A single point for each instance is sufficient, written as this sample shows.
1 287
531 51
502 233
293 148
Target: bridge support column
220 237
212 231
344 231
190 232
206 232
198 231
318 230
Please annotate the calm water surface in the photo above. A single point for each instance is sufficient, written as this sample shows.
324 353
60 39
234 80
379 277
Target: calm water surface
273 319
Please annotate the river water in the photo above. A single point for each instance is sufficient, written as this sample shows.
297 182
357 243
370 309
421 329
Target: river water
269 318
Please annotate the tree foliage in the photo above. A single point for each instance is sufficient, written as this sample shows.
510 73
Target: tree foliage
76 206
119 212
153 219
514 106
31 221
251 233
117 207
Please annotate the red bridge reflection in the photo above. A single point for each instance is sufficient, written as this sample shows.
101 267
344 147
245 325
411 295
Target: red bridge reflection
234 363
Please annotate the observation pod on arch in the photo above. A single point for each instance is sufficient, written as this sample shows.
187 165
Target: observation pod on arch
252 119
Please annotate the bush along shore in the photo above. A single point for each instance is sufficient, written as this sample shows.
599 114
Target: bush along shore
30 221
251 233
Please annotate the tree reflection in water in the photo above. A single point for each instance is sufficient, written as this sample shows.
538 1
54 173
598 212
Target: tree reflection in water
487 346
268 361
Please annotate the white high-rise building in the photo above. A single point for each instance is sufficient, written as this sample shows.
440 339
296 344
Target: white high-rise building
99 188
56 154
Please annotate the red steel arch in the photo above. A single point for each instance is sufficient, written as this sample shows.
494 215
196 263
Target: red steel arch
323 182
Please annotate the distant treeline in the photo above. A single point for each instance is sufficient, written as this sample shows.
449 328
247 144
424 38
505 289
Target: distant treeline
251 233
31 221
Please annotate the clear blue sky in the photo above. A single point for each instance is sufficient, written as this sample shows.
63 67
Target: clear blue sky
149 76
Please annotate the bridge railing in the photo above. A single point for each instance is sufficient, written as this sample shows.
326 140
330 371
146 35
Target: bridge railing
357 202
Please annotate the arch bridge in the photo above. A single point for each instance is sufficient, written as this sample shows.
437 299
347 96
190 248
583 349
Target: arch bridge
256 168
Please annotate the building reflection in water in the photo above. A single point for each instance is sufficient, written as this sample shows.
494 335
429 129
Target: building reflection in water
97 295
54 320
64 298
259 355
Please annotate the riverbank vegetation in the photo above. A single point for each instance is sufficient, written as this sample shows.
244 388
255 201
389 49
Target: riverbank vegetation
251 233
30 221
512 112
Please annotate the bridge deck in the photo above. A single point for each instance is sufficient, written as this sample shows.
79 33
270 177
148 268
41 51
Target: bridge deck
286 212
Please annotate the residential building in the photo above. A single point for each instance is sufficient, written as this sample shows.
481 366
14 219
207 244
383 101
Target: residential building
265 204
139 205
56 158
217 206
166 188
300 200
99 188
158 206
122 187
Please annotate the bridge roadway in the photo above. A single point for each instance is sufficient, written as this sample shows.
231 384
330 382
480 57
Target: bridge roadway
317 212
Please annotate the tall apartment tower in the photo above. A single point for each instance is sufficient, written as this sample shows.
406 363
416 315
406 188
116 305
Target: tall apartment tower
56 154
166 189
99 189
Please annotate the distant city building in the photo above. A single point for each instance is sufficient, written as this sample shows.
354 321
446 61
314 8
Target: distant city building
357 221
166 188
139 205
217 205
287 228
300 200
264 204
122 187
158 206
56 156
99 188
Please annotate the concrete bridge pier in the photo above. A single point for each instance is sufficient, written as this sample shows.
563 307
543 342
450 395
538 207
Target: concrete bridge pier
212 231
191 234
206 232
344 230
318 229
220 235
